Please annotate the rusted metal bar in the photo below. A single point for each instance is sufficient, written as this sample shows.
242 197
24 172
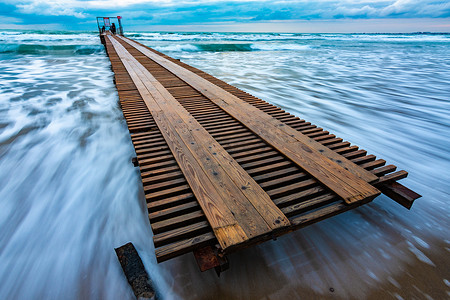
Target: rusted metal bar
208 258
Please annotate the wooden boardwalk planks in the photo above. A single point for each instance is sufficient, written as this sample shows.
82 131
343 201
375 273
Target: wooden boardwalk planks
339 174
235 205
178 222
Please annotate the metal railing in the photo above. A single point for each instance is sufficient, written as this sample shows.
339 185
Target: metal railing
106 23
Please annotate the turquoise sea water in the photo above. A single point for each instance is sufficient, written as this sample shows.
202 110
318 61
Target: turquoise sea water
69 193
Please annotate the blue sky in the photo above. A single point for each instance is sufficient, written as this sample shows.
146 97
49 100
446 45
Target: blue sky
216 15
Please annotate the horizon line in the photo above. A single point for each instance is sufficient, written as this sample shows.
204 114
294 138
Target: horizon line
250 32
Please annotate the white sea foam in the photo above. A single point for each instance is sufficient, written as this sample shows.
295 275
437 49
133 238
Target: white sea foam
48 39
177 47
279 46
420 255
215 47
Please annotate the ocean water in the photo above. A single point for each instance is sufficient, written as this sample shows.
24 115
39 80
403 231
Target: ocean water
69 194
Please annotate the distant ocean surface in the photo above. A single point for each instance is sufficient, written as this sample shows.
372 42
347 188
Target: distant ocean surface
69 194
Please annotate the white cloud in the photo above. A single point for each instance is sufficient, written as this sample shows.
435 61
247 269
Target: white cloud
51 8
366 10
400 7
319 9
435 9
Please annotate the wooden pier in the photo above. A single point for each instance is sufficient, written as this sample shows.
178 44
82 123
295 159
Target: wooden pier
222 169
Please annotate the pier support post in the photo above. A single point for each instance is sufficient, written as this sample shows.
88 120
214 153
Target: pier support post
135 272
135 162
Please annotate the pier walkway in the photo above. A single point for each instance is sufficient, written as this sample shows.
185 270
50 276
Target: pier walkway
223 169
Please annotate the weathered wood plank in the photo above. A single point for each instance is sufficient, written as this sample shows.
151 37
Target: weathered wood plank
180 233
172 250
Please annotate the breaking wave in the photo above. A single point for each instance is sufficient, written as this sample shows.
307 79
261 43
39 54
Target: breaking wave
50 50
231 47
59 43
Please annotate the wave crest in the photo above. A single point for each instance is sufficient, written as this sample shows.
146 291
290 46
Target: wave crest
50 50
231 47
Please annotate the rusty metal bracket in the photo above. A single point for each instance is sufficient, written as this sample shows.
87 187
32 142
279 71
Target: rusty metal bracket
208 258
400 194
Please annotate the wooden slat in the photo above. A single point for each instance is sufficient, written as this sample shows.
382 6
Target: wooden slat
171 201
393 177
320 214
172 211
184 246
177 222
180 233
336 172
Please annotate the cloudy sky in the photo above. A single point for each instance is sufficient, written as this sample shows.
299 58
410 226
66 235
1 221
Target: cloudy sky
247 15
